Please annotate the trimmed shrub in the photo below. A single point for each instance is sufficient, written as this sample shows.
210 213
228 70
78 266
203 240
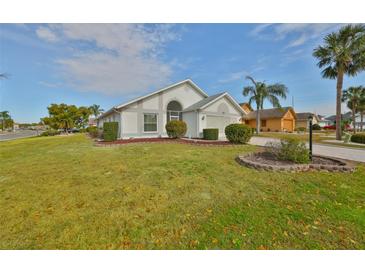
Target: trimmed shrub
316 127
176 129
210 133
300 129
290 149
238 133
358 138
93 131
50 132
110 131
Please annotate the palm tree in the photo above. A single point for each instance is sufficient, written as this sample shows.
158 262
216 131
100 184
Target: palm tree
259 92
343 53
353 97
4 115
96 110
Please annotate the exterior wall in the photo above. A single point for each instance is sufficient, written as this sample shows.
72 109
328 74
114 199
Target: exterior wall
287 123
221 108
133 115
301 123
190 119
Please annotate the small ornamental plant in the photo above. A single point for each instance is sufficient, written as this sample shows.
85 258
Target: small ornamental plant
210 133
289 149
176 129
238 133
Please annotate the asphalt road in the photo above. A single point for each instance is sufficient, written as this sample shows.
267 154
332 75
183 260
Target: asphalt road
18 134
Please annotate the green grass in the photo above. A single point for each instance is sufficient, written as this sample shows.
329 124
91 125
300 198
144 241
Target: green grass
64 193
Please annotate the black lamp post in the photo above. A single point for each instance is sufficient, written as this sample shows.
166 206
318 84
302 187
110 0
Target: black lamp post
310 121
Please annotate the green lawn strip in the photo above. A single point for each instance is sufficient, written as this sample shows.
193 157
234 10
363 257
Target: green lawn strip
64 193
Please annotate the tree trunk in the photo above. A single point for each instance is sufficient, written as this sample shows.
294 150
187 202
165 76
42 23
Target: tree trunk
361 120
353 121
258 121
338 104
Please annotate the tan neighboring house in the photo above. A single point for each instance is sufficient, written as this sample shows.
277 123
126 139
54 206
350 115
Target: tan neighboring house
302 119
273 119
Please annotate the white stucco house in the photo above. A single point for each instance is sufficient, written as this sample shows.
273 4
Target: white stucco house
147 116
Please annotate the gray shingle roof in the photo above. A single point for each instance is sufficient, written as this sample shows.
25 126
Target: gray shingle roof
268 113
202 102
305 115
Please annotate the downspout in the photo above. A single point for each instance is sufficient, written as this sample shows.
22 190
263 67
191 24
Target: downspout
197 124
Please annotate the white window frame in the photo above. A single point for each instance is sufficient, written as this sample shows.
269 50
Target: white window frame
173 117
151 113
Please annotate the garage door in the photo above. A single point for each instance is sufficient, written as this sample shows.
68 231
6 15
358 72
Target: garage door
219 122
288 125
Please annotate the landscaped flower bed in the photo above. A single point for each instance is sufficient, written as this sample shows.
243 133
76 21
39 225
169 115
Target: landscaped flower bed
268 161
161 140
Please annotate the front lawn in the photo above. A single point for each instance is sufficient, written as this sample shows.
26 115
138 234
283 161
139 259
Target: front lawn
64 193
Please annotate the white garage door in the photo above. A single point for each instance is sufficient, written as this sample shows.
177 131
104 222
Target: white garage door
219 122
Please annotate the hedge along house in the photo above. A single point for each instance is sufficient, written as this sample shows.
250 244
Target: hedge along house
274 119
147 116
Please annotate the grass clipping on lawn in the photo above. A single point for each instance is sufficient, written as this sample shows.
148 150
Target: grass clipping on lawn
66 193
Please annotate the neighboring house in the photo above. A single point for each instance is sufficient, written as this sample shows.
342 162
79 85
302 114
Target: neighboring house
147 116
344 117
323 121
91 122
358 122
302 119
274 119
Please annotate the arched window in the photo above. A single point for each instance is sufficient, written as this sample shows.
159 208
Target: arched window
174 111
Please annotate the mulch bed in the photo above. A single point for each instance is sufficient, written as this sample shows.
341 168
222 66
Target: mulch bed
200 142
270 159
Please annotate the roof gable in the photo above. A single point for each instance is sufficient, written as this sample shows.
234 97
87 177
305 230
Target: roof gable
186 81
211 99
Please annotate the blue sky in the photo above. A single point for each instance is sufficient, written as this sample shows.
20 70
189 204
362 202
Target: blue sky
107 64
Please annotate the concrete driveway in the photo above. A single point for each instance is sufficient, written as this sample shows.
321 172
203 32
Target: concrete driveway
352 154
5 136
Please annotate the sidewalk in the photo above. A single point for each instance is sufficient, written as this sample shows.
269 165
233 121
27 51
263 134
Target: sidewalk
352 154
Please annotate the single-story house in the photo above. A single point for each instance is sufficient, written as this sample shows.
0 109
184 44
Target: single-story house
302 119
147 116
323 121
273 119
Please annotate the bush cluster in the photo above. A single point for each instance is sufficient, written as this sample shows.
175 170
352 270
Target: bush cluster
300 129
210 133
110 131
93 131
176 129
358 138
290 149
238 133
50 132
316 127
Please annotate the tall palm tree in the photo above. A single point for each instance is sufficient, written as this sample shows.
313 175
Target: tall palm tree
343 53
353 97
96 110
259 92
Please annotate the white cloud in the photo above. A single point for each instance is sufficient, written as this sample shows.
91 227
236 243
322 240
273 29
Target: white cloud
119 59
49 85
234 77
46 34
301 32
